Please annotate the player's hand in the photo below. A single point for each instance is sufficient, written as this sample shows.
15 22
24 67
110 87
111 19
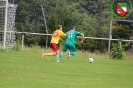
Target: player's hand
81 41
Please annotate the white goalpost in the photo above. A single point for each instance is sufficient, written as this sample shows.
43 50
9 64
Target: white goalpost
3 20
7 23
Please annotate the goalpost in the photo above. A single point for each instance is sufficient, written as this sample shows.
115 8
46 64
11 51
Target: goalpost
3 20
110 32
7 23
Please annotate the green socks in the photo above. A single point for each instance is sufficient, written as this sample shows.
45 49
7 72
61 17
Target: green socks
60 57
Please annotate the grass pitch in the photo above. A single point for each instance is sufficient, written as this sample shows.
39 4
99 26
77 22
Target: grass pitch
29 70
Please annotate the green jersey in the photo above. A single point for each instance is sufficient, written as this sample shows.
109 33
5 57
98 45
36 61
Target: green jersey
70 37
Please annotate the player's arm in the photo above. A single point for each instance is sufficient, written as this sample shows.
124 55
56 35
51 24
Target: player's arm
63 34
82 38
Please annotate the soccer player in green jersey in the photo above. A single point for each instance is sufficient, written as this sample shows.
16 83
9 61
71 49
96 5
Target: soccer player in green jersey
70 42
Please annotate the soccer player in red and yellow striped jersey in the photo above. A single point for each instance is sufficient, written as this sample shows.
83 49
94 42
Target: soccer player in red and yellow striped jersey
54 42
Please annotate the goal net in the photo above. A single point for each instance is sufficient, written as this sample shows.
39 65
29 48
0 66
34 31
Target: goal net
2 18
7 23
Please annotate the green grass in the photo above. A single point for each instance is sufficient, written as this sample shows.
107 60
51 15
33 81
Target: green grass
28 70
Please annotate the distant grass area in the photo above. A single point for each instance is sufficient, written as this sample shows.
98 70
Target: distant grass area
26 69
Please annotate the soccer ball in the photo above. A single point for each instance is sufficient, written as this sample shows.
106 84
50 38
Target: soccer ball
90 60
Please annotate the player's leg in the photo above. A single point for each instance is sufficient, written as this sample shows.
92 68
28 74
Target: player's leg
57 54
72 51
64 49
60 56
69 55
54 47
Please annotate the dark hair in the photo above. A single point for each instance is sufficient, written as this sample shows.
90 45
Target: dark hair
73 27
59 26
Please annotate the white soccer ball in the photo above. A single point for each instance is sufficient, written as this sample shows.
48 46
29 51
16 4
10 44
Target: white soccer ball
90 60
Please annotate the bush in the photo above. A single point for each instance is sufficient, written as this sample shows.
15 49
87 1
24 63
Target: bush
116 52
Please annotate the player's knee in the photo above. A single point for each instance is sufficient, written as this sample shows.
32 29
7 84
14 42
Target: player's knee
55 53
62 53
72 53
